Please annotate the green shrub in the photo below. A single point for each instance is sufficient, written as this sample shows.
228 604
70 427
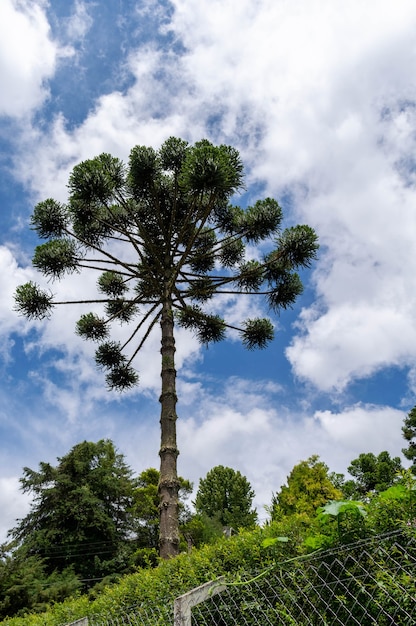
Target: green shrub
240 553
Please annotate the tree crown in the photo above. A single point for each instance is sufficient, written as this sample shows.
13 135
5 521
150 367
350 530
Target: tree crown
372 473
183 243
80 510
225 495
308 487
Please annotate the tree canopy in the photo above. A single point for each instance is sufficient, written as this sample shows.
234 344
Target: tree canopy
90 521
226 496
409 433
371 473
164 240
308 487
28 585
25 585
80 514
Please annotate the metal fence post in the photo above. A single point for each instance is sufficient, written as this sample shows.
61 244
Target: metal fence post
183 605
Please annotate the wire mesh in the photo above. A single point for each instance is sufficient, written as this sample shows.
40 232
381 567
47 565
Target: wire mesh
367 583
138 615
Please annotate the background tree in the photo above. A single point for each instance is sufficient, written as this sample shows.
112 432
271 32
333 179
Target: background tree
371 473
80 514
308 487
145 513
199 529
409 433
226 496
146 509
165 240
25 587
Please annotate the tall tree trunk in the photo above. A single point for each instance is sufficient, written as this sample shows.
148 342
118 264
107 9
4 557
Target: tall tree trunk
168 484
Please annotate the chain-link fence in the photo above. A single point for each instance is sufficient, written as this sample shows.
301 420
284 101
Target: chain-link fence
138 615
369 583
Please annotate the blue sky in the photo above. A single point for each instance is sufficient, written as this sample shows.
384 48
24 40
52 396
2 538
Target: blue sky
320 99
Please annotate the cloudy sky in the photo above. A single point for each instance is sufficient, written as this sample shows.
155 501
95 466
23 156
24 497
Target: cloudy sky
319 96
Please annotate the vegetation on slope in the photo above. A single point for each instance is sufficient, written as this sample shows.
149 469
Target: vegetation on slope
249 551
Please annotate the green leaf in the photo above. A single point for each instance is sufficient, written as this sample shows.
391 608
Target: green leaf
172 153
91 221
396 492
123 310
209 168
229 219
334 507
95 187
308 487
225 495
202 258
208 328
250 276
122 377
92 327
82 502
299 245
56 257
202 262
232 252
32 302
49 219
201 289
112 284
257 333
262 220
144 170
108 355
271 541
285 292
96 180
205 240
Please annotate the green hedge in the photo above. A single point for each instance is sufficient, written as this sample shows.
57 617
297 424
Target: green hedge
248 551
167 581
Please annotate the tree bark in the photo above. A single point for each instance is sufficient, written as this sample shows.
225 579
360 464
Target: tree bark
168 483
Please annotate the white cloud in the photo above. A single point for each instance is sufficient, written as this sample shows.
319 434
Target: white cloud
352 341
377 428
13 504
330 91
28 56
117 122
11 275
242 429
238 425
54 349
79 22
363 319
318 97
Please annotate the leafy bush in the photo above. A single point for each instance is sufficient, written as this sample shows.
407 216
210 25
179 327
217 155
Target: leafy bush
167 581
254 551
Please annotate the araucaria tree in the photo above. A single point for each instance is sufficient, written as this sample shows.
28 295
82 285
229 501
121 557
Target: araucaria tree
165 241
